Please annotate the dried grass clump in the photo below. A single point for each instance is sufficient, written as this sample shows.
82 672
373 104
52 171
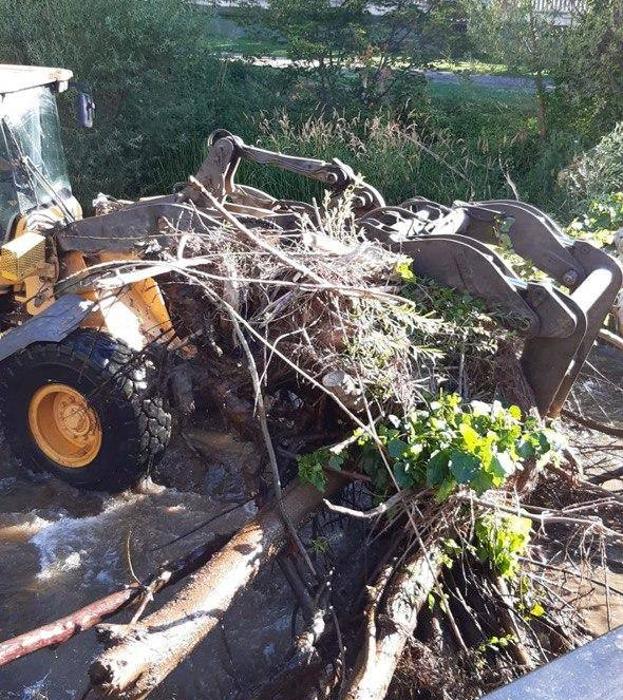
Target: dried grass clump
323 303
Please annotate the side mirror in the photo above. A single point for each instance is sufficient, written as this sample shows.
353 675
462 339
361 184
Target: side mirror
85 110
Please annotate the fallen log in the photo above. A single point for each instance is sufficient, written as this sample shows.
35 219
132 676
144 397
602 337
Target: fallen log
388 632
64 629
138 657
93 614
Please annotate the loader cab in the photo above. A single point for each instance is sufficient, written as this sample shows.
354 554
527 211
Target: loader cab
33 172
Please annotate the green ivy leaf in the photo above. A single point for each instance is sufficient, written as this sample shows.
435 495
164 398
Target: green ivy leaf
436 469
525 449
336 461
515 412
403 478
463 466
471 438
502 466
481 483
396 447
445 490
404 270
312 471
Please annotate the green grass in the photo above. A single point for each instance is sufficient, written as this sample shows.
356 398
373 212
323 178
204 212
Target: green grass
246 46
466 93
473 67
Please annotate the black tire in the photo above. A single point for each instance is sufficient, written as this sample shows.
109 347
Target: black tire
135 423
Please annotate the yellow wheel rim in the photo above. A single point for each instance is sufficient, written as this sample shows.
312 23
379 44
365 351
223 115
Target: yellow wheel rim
64 426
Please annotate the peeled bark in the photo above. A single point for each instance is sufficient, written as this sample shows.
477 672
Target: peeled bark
388 632
138 657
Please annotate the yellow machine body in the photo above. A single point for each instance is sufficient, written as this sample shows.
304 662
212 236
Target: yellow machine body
135 313
21 257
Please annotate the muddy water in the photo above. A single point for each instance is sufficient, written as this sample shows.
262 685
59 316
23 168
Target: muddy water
61 548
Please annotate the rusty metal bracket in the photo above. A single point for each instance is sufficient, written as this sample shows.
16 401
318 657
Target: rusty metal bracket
134 227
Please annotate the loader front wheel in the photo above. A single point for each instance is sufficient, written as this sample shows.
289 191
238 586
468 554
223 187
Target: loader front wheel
84 409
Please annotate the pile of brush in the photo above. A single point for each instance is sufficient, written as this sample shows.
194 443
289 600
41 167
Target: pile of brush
319 343
402 407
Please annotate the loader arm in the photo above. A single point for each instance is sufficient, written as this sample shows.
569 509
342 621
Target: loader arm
453 246
218 170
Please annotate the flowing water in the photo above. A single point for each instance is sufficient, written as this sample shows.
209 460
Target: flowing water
61 548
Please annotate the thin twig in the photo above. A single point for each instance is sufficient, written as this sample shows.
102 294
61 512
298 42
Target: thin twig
543 518
390 503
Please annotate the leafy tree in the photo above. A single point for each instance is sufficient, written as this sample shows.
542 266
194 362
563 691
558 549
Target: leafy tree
357 49
522 38
594 181
158 91
590 78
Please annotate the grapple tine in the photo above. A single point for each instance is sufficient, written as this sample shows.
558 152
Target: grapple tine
593 298
551 364
452 246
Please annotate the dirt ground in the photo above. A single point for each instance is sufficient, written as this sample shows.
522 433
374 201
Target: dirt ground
61 548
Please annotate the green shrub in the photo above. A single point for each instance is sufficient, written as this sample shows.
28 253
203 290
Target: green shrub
158 91
589 79
501 540
349 55
596 173
449 444
601 220
444 446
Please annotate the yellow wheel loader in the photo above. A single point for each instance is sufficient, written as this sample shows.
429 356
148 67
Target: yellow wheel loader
76 396
80 388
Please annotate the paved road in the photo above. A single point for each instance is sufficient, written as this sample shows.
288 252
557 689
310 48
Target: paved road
486 80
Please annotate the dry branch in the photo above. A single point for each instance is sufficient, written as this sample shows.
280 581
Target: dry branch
138 657
90 615
65 628
593 424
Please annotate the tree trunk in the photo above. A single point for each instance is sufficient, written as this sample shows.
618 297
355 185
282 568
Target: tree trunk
409 591
539 83
138 657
